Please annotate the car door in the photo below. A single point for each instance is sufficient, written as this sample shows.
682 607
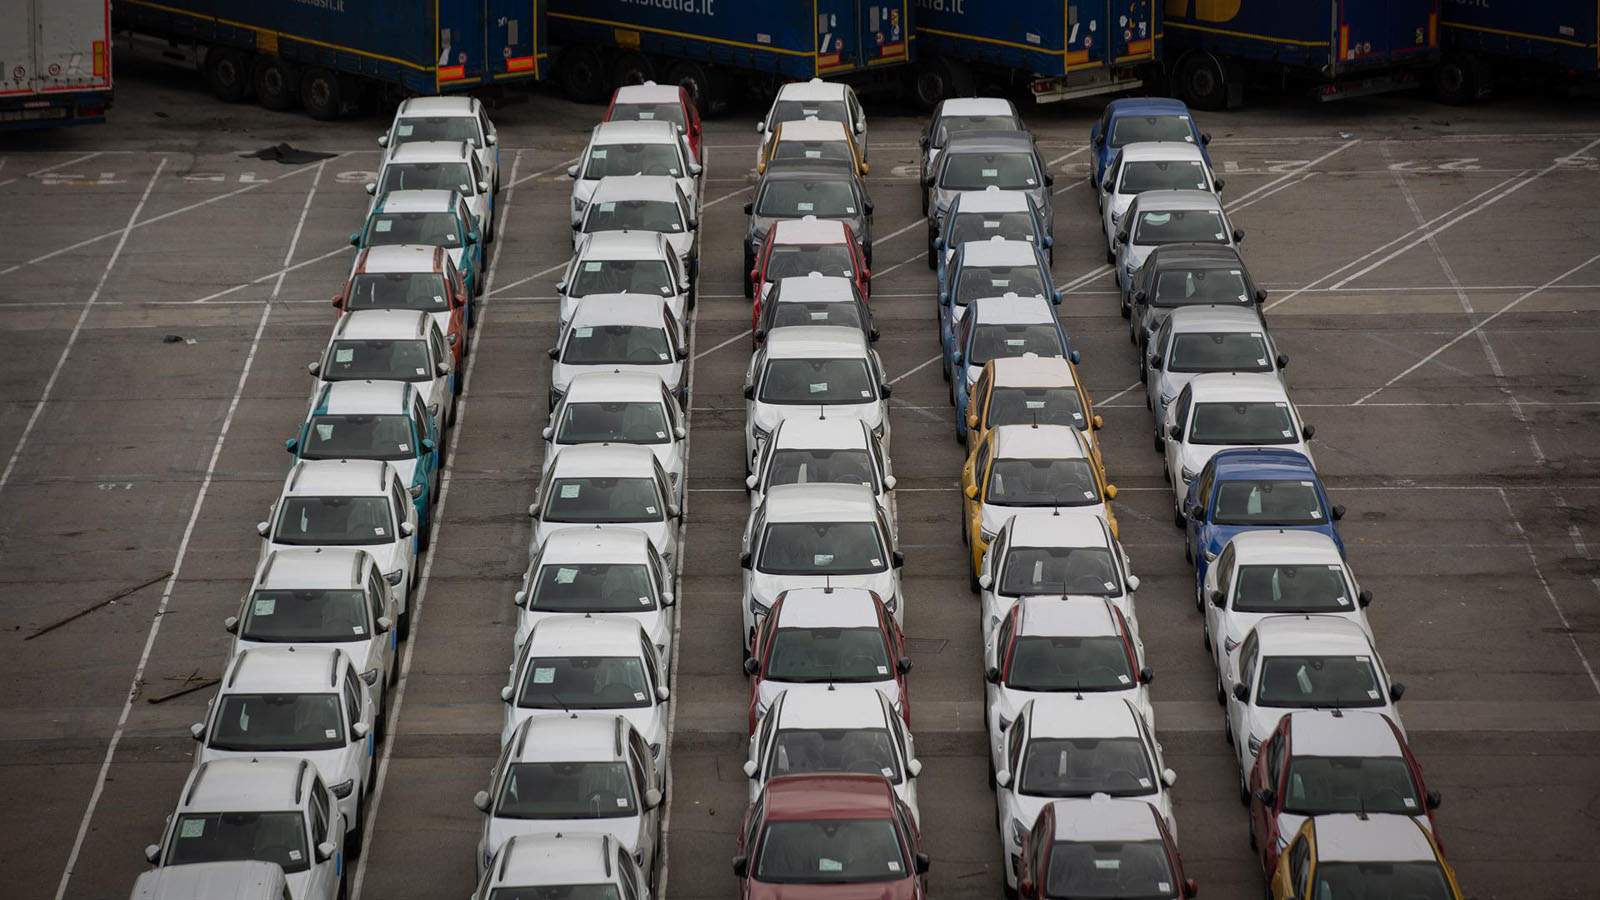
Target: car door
1239 710
973 479
427 456
482 201
326 827
1219 577
1268 773
1172 444
381 600
358 706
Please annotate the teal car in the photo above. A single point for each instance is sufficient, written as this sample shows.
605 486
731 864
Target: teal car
435 218
384 420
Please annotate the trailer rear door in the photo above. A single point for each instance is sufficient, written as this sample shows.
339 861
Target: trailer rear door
884 30
1133 31
463 44
1384 31
1090 32
57 46
514 40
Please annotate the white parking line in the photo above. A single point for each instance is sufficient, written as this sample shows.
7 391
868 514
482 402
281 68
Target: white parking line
1290 174
277 273
882 272
520 281
710 350
61 165
77 328
1549 594
188 531
917 368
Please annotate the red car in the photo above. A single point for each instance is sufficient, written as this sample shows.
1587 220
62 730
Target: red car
664 102
410 276
1332 761
803 246
815 638
839 837
1101 847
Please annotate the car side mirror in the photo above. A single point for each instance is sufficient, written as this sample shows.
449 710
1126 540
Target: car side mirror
695 170
944 298
914 768
992 675
1147 675
443 367
1097 422
291 445
1175 432
533 510
472 237
1336 513
506 694
744 560
927 182
1241 693
338 300
922 141
314 368
749 392
152 852
384 623
1218 598
1309 432
749 209
1197 512
407 529
1261 295
483 187
668 598
519 598
325 851
1106 185
1055 298
1433 799
1111 494
938 243
958 358
663 693
1282 361
885 390
198 731
1049 179
971 491
683 353
1364 598
491 139
355 239
1191 888
1238 235
868 207
450 339
1049 242
873 335
889 482
481 800
263 528
1140 296
370 187
924 862
553 353
577 226
750 768
1122 237
750 482
415 491
1219 184
1002 778
572 171
547 432
898 559
679 432
741 864
1396 691
1205 138
903 665
231 624
752 666
1268 797
383 140
1133 583
360 730
972 420
1025 886
985 581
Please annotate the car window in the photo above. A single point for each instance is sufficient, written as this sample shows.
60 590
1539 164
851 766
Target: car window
477 171
1300 864
437 343
1203 492
420 423
1225 567
1275 757
980 464
1181 414
1002 638
352 699
484 126
375 597
398 500
319 811
1247 660
630 884
462 213
1014 743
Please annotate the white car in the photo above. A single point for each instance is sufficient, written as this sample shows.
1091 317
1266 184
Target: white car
1060 746
850 730
273 809
1061 645
607 484
1194 340
620 333
402 222
356 504
579 775
824 369
1168 217
625 407
561 864
959 114
323 598
392 345
634 148
297 703
444 166
1044 554
1151 166
1103 846
1301 662
601 665
607 570
1272 572
831 100
813 300
625 262
823 640
977 216
824 451
643 203
1219 411
816 535
456 118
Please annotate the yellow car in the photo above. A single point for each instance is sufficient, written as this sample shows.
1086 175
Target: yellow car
1019 467
812 139
1023 390
1360 855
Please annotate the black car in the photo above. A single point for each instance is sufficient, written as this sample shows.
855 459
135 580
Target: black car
813 300
795 189
1175 275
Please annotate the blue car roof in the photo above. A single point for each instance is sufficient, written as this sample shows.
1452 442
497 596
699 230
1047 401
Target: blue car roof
1263 463
1137 105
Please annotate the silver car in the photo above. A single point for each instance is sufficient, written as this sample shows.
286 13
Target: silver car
634 148
1156 218
978 160
620 333
1198 339
620 408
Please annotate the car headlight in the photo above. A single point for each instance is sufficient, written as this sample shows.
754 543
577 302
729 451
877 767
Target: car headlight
761 708
1166 400
900 707
555 395
394 577
343 788
1115 218
1188 474
985 535
1005 722
1228 644
673 477
1019 832
370 676
578 206
1255 745
1211 555
757 608
760 433
655 751
881 429
891 604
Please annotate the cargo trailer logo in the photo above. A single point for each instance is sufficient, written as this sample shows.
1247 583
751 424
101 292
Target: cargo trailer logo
692 7
1204 10
954 7
329 5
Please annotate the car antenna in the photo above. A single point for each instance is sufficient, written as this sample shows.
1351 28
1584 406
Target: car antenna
1036 419
1078 687
1361 812
827 582
822 412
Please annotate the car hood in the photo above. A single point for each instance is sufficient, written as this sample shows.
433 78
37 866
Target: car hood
1120 204
905 889
583 189
682 243
387 556
670 372
769 690
362 652
766 588
407 469
327 761
656 625
625 829
650 720
659 533
1133 257
768 415
299 884
996 516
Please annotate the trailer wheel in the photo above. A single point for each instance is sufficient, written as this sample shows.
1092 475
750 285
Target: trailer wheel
695 80
228 73
320 94
929 85
275 83
632 68
1460 79
582 75
1201 82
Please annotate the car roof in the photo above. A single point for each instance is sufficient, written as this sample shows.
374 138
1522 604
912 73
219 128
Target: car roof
363 398
619 309
846 707
402 258
430 151
819 503
1318 635
828 608
815 341
830 796
983 141
560 858
621 188
624 245
1223 387
286 670
1032 370
649 92
1294 546
417 199
629 131
839 432
1082 715
811 129
1160 151
207 880
807 170
816 287
383 324
1104 818
1194 255
997 251
808 230
339 477
1046 529
589 738
437 106
1350 733
993 199
614 386
604 460
1010 310
814 89
246 784
1037 442
1264 463
586 635
600 544
1382 837
293 568
1132 106
1189 319
1177 200
976 106
1043 614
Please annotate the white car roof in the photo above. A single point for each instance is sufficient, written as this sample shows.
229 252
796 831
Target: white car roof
812 129
340 478
832 709
1065 616
1349 732
605 460
816 288
818 502
625 245
1188 319
992 199
560 858
292 568
400 258
1103 818
437 106
246 784
622 188
1073 715
593 738
586 636
595 545
1289 547
1038 442
628 131
976 106
837 433
815 342
828 608
1032 370
1382 837
418 199
615 387
1160 151
649 92
1164 200
815 89
430 151
364 398
1244 387
997 251
286 670
807 230
383 324
1319 635
1046 529
1011 310
619 309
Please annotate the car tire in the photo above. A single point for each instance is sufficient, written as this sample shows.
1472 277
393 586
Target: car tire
1201 82
403 627
961 436
1160 444
274 83
1188 557
344 883
321 95
1205 638
228 73
632 68
696 82
423 530
933 255
1222 695
355 836
1460 79
1179 522
1244 791
921 178
972 580
1111 257
749 283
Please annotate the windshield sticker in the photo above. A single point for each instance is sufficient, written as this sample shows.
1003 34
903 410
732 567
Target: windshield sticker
570 491
877 561
1034 404
544 674
1015 342
1219 235
1088 495
266 607
294 854
1342 600
991 223
805 206
813 154
329 733
819 387
1031 182
1288 433
1316 514
662 355
644 601
1363 659
404 130
1144 782
638 695
825 864
421 371
382 225
661 435
676 226
608 207
1261 362
822 559
358 629
583 332
1164 886
991 173
565 575
819 316
1108 864
324 432
866 393
889 773
344 355
883 670
646 115
377 531
1110 585
598 154
593 266
405 448
1409 802
893 866
1122 679
1000 282
192 828
1304 678
650 509
1372 695
850 209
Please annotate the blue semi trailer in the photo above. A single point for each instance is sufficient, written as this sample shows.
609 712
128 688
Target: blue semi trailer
1488 40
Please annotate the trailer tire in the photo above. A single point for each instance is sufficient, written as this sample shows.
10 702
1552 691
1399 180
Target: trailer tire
275 83
632 68
697 83
1460 79
228 74
1201 82
581 74
321 94
930 83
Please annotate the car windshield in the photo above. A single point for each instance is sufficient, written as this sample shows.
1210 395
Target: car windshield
1102 870
359 437
305 615
418 176
425 291
603 500
1319 681
1200 287
1269 502
1422 880
1292 589
665 216
567 790
827 655
437 229
802 312
1070 663
1138 129
1263 422
1180 226
790 197
585 682
1003 341
1042 482
949 125
1036 406
798 751
821 467
821 851
1318 785
835 151
790 260
374 360
593 588
604 345
1228 351
994 281
277 837
822 548
436 128
981 226
1080 767
633 159
791 110
809 382
557 892
621 276
1060 570
246 722
324 521
970 171
1162 175
648 112
636 422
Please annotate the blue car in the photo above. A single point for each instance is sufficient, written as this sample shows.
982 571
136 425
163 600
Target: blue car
435 218
1001 327
985 215
1253 488
1134 119
992 268
385 420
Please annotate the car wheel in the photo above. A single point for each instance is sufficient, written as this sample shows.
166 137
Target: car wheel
1205 637
228 74
961 435
1200 607
1244 791
450 417
1111 258
972 580
749 641
1461 78
933 257
1227 728
1160 444
922 177
1179 522
357 835
581 74
695 80
423 530
274 81
632 68
1201 82
966 539
749 283
404 625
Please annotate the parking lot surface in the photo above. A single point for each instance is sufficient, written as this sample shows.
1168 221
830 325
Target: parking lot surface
1434 277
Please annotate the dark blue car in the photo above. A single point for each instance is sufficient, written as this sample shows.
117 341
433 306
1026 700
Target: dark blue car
1131 120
